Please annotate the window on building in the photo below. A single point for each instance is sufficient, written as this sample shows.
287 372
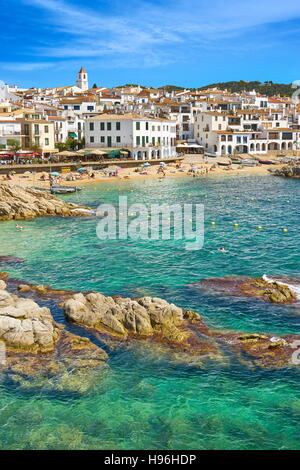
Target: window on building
26 129
37 140
46 141
138 126
102 126
153 140
147 126
138 140
76 107
118 139
65 106
102 139
118 126
92 126
92 139
287 136
36 129
153 128
239 139
90 108
46 129
245 139
109 126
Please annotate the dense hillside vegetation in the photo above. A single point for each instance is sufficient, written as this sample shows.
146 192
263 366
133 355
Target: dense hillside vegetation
266 88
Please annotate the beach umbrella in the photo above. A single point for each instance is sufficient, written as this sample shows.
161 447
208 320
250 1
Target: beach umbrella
162 164
82 169
147 164
54 173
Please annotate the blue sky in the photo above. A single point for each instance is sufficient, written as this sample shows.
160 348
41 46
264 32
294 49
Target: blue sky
182 42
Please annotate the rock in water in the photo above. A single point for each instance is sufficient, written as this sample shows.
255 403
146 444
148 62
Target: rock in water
21 203
11 260
250 287
170 331
38 349
122 316
292 170
24 325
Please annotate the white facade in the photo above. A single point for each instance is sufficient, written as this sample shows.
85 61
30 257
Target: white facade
146 138
9 130
244 132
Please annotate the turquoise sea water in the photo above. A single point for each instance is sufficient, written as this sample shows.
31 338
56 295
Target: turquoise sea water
144 402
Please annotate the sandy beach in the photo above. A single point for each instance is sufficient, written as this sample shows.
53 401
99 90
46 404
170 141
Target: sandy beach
203 169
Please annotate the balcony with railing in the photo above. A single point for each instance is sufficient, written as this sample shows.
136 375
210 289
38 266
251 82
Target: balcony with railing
9 133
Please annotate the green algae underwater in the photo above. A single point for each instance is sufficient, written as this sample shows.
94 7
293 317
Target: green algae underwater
143 401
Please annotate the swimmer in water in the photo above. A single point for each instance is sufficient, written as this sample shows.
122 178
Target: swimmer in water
18 227
222 250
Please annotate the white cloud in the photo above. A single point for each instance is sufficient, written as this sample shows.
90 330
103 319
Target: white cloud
167 31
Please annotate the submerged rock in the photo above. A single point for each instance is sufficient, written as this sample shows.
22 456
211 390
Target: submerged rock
250 287
265 351
10 260
21 203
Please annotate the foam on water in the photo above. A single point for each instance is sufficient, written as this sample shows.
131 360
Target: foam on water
294 287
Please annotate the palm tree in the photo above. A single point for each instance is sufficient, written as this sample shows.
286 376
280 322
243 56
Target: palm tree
14 145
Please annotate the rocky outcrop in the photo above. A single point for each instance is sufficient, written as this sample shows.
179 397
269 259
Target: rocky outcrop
34 347
24 325
124 317
291 170
250 287
25 203
41 353
173 332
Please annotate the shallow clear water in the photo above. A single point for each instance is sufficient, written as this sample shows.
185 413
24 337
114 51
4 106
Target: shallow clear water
146 403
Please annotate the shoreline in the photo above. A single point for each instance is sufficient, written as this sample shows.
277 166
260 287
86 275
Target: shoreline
130 174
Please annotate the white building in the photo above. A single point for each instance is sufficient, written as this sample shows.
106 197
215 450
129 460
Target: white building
146 138
9 130
83 81
247 131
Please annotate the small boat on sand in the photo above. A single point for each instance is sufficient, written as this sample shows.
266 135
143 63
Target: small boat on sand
56 189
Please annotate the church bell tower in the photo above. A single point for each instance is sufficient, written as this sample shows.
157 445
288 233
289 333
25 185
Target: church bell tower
83 81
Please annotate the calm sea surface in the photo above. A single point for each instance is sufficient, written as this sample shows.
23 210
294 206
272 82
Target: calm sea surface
144 402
